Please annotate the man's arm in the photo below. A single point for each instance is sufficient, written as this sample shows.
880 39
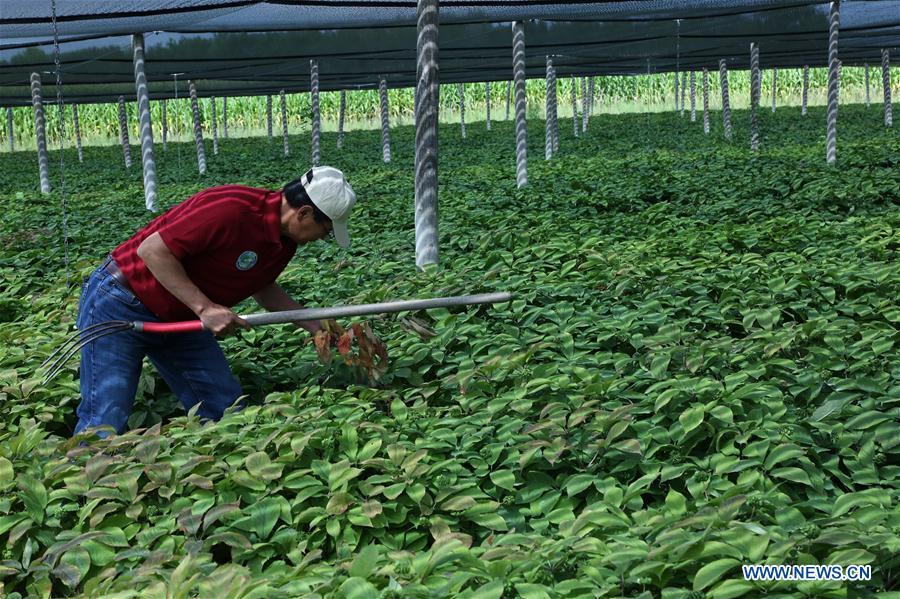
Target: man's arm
275 299
169 271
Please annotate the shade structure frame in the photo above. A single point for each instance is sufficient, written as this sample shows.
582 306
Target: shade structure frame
40 132
461 91
214 125
574 96
594 35
198 129
518 48
148 159
774 87
548 111
509 84
693 78
592 88
804 94
755 84
554 111
342 110
675 87
833 83
224 117
76 124
726 101
886 87
165 123
385 120
705 101
10 130
123 132
427 107
269 132
487 105
282 98
585 108
868 85
316 132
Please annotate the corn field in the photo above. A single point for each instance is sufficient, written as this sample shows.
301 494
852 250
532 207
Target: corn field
246 115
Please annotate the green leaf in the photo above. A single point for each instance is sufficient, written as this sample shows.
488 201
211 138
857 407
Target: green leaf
829 407
628 446
260 466
216 513
792 474
866 420
504 479
659 365
848 501
458 503
785 451
399 410
676 502
394 491
731 589
7 522
338 503
333 527
491 521
147 450
261 517
768 318
691 419
416 492
7 475
34 495
882 345
578 483
358 588
372 508
369 449
365 561
230 538
491 590
713 571
528 590
846 557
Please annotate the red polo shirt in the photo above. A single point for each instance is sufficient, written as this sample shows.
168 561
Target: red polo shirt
228 240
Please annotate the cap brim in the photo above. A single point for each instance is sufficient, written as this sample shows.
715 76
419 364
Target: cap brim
341 234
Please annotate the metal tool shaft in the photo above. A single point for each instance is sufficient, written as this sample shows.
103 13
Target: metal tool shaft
381 308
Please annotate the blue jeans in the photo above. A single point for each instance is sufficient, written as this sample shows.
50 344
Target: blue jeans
192 364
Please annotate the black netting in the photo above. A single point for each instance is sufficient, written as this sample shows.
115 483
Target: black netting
253 47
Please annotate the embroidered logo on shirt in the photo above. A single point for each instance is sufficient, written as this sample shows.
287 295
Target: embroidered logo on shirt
246 260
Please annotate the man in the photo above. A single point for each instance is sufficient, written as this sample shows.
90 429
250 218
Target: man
203 256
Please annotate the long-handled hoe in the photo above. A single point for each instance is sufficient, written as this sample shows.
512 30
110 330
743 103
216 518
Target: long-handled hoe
78 340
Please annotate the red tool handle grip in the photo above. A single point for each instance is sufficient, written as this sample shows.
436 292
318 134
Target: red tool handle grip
187 326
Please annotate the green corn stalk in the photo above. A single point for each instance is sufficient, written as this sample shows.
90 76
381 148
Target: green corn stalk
643 92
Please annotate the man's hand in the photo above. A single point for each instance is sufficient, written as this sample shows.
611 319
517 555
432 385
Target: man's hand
314 326
219 320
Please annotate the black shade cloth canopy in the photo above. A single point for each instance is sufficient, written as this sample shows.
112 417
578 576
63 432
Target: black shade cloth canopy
247 48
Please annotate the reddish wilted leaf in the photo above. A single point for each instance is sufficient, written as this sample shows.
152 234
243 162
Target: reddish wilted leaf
322 340
370 353
345 341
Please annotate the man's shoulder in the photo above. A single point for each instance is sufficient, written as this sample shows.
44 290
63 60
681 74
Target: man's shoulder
230 199
235 192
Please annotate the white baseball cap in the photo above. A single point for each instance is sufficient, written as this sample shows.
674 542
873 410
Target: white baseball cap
329 191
